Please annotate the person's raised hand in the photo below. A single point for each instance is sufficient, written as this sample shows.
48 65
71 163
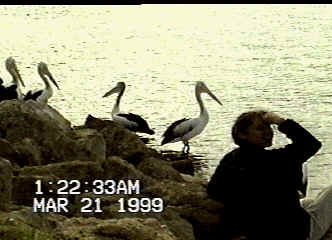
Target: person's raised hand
272 118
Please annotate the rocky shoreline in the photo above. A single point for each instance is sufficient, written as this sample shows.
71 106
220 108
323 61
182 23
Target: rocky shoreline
98 181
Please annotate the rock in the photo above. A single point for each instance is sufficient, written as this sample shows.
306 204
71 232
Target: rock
185 166
42 135
170 216
178 193
135 228
6 174
118 169
99 124
80 170
43 147
90 145
24 196
74 170
119 141
7 151
193 204
29 153
47 112
117 229
206 224
22 223
159 169
30 120
193 179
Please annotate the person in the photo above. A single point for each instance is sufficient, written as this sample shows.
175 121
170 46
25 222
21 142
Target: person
260 188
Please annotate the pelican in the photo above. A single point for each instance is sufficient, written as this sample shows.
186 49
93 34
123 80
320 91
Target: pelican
185 129
13 90
130 121
304 183
42 95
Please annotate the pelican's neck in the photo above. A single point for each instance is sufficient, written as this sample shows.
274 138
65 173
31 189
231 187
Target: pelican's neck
203 111
47 84
116 108
14 80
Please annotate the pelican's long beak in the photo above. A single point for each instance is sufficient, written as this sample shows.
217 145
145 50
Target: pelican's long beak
18 76
53 80
113 90
213 96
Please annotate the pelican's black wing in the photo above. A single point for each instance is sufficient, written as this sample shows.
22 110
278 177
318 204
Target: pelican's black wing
142 125
33 96
169 133
10 92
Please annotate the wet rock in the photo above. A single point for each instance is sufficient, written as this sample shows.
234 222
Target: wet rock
185 166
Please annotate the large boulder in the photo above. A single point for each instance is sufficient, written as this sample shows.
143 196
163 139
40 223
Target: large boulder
40 135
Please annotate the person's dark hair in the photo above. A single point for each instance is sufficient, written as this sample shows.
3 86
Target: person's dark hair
242 124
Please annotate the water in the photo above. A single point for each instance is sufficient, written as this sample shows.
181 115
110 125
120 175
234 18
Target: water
276 57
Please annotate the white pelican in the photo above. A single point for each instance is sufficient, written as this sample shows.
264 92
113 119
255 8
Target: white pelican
303 187
13 90
185 129
130 121
42 95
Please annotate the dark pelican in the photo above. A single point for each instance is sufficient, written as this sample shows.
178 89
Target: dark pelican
42 95
185 129
13 90
130 121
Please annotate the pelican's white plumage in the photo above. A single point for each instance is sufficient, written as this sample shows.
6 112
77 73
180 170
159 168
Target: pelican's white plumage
304 185
130 121
42 95
185 129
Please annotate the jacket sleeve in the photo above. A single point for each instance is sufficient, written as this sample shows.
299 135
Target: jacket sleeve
303 146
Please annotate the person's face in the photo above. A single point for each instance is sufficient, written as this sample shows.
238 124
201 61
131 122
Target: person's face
260 134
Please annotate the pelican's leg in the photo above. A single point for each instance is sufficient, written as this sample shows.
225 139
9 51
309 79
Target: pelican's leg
186 147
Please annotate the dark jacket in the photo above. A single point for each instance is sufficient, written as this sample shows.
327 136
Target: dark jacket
259 187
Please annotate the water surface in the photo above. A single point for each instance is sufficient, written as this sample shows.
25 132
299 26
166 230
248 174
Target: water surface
276 57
